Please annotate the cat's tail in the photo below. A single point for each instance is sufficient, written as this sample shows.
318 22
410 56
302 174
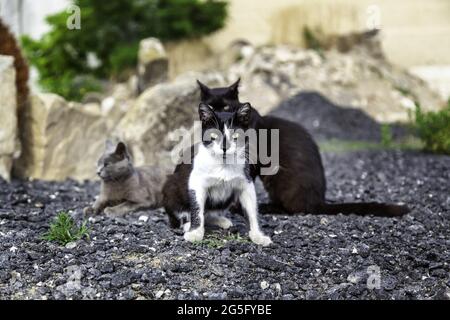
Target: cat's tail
359 208
363 208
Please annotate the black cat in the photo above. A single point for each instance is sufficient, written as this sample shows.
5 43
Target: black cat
299 185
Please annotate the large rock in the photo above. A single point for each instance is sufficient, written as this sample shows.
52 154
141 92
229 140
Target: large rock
150 126
116 104
60 140
358 78
153 65
189 55
8 120
115 100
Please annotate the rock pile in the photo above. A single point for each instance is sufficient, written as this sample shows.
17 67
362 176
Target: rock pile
63 139
355 78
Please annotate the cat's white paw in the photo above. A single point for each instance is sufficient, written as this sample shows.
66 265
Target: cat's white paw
194 235
259 238
224 223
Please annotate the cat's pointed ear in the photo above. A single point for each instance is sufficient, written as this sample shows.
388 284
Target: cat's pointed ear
233 90
204 90
205 112
121 149
243 113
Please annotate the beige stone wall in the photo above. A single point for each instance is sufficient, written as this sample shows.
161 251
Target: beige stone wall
189 55
415 32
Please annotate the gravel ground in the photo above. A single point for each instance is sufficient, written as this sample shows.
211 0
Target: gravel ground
313 257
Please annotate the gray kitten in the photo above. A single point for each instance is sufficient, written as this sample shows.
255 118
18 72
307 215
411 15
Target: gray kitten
125 188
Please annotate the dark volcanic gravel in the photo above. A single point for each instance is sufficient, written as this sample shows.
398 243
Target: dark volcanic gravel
313 257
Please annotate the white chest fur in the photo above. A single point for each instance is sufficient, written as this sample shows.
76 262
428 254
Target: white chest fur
219 180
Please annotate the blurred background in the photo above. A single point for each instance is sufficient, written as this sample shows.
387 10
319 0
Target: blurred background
415 32
357 74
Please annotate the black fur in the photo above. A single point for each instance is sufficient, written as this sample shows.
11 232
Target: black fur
194 210
299 186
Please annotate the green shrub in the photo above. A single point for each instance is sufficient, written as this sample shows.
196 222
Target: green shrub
122 58
111 30
64 230
386 136
433 129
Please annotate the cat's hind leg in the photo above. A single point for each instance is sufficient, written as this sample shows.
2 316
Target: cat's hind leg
214 218
99 205
122 209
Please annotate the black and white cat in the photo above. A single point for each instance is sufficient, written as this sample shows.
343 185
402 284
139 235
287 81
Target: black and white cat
218 176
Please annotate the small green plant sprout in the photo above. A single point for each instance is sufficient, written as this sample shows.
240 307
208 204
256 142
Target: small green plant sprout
216 241
64 230
386 136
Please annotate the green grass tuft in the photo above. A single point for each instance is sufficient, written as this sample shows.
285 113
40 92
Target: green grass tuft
64 230
341 146
215 241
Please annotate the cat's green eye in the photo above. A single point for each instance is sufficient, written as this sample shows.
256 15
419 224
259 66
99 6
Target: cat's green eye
235 135
214 136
